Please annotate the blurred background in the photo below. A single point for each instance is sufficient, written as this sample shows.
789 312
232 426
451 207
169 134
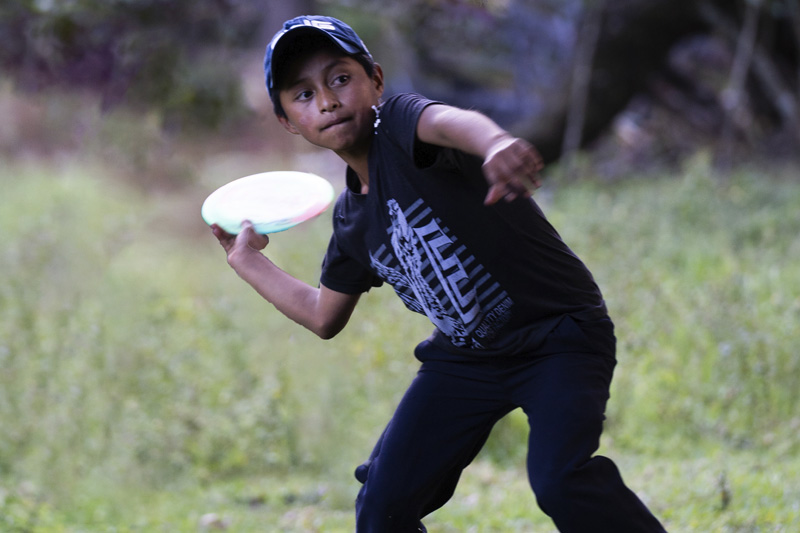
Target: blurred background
143 387
635 83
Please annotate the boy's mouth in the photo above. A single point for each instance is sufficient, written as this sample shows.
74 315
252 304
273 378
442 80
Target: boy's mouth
333 123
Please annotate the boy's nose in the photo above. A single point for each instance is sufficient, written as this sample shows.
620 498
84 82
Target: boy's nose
328 101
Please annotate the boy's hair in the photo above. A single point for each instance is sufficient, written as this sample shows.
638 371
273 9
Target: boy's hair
306 34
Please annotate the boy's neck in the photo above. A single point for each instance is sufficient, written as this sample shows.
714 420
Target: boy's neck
359 165
363 177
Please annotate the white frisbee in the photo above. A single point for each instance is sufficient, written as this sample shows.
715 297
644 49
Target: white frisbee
272 201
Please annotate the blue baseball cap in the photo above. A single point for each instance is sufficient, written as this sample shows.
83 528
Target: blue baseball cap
337 31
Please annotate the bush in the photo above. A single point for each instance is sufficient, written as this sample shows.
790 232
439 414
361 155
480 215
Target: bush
176 57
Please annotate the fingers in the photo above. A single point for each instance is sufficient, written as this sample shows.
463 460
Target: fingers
249 237
525 165
512 170
501 192
224 238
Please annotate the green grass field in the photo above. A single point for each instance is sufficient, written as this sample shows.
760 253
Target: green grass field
145 388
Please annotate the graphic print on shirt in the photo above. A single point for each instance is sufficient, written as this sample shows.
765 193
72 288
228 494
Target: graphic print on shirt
435 276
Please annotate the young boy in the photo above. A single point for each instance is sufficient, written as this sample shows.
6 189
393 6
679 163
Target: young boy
437 204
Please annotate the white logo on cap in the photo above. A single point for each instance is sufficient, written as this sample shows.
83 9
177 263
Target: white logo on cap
321 24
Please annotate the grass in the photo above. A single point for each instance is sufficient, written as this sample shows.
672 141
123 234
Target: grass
144 387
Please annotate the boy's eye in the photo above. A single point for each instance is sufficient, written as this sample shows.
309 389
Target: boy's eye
341 79
303 95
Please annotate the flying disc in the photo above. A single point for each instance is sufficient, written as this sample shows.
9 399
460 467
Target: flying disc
272 201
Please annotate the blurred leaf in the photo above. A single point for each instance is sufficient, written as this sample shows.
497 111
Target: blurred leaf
152 53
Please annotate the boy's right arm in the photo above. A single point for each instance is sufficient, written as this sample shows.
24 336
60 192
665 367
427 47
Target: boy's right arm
511 165
323 311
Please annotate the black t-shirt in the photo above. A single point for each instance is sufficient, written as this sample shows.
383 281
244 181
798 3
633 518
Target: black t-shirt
492 279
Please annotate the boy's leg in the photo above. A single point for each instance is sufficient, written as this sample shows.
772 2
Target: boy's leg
565 398
440 425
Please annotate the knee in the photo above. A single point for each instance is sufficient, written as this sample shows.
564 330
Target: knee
558 491
552 491
377 501
384 510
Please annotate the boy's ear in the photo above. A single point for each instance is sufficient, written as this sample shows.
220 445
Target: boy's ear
288 125
377 79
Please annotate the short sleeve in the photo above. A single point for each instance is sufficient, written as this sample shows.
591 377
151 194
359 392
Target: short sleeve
399 117
342 273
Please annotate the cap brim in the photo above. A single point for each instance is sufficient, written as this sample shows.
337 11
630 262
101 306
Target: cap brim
290 37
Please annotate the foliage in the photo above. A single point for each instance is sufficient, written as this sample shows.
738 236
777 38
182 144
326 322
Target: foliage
705 300
172 56
143 385
510 58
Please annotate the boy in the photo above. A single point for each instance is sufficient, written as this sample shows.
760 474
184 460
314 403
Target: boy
437 204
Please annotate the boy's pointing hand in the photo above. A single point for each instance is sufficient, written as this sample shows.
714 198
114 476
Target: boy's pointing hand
512 169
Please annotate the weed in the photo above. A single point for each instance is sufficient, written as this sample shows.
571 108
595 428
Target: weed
144 386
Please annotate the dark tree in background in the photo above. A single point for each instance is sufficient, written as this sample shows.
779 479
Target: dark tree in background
652 79
662 77
172 55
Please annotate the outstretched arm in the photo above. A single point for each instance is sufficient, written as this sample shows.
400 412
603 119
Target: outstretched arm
511 165
323 311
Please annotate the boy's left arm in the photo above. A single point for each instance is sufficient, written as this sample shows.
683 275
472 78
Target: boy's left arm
511 165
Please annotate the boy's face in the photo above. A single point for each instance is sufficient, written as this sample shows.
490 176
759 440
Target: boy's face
328 99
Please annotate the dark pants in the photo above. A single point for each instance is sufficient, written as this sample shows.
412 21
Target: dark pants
448 411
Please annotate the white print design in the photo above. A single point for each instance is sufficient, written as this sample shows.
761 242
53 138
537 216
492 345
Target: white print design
435 276
377 118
